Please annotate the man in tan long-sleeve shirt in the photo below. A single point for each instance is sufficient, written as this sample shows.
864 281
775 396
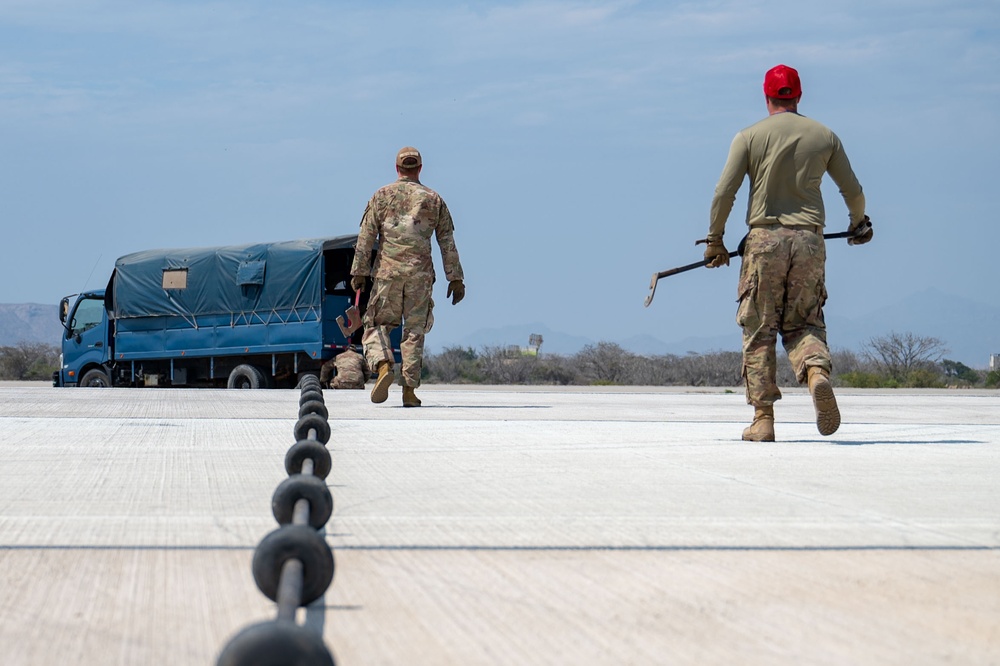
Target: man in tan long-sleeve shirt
782 286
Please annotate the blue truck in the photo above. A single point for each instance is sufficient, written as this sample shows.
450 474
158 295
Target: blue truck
245 316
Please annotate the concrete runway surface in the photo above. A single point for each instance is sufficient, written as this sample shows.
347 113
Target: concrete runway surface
508 525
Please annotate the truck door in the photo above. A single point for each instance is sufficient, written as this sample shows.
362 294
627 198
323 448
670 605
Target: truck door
86 339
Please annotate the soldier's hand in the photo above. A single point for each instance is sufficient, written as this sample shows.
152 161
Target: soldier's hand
456 291
716 253
862 232
358 282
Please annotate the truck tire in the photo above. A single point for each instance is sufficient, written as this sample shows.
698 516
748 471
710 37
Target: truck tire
246 377
95 378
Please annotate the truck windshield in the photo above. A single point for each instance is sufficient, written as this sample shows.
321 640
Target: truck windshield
89 313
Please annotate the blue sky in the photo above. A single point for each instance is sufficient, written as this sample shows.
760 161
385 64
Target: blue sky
577 143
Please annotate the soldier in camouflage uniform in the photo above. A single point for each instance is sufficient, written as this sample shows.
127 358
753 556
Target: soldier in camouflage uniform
403 216
346 370
782 286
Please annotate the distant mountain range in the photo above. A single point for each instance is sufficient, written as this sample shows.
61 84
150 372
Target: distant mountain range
970 330
29 322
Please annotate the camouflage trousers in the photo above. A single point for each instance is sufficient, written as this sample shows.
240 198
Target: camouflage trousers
405 301
782 291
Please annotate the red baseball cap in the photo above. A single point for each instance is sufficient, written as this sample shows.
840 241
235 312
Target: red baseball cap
782 82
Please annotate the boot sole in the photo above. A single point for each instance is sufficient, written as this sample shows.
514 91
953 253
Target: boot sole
827 412
380 392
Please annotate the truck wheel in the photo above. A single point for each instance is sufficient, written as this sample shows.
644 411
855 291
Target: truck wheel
245 377
95 379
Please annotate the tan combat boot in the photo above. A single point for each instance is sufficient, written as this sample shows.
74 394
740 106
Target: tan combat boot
382 383
410 398
827 413
762 428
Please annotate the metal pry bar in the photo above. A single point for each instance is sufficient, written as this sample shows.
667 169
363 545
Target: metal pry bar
861 230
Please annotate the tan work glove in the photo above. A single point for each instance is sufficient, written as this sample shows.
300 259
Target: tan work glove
358 282
456 291
862 237
716 253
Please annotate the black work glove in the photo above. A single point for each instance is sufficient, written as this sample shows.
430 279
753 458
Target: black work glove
716 253
358 282
456 291
860 235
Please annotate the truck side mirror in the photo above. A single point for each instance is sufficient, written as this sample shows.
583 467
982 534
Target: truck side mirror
63 310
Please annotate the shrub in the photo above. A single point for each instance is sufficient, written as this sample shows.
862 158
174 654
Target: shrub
455 365
28 361
993 379
923 378
862 379
502 365
555 369
959 371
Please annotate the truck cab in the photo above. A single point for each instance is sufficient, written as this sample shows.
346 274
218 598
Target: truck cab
86 344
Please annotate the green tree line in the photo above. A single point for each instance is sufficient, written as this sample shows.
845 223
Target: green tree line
896 360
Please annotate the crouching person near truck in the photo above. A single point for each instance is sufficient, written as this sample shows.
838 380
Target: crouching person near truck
403 216
346 370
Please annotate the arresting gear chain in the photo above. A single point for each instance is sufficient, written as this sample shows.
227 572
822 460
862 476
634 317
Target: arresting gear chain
293 565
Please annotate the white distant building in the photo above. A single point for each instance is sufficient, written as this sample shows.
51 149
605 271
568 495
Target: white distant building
994 362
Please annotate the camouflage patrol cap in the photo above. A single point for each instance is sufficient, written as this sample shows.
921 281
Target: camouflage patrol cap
408 158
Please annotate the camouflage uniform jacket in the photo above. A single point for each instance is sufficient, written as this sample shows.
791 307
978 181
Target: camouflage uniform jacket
352 371
403 216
